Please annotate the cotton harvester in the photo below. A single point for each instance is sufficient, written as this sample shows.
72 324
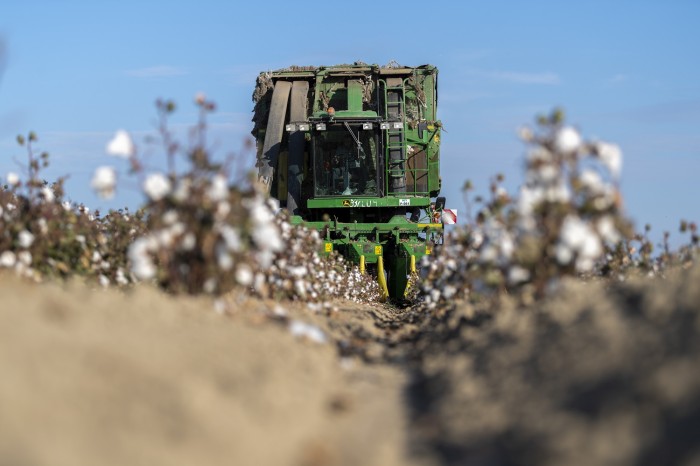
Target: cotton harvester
353 152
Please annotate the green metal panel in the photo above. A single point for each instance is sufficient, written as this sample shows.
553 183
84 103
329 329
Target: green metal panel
354 95
395 200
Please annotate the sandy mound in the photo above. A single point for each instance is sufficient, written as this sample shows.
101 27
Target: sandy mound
589 376
95 377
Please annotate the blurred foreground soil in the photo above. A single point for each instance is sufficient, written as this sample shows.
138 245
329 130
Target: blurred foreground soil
589 376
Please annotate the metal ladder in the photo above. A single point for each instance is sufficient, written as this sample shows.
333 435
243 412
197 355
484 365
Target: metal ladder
396 138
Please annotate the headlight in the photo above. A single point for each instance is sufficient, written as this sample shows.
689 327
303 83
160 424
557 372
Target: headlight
367 125
320 126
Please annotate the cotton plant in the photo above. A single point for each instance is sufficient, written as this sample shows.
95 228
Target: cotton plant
566 219
207 235
45 236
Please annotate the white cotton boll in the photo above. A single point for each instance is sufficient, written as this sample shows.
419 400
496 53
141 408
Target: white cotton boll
584 264
139 249
307 331
279 311
507 246
591 247
449 291
259 283
267 237
218 189
273 204
528 200
567 140
43 226
231 237
563 253
539 155
121 278
104 181
189 241
104 281
182 191
143 268
611 156
170 217
477 238
297 272
300 288
260 215
223 209
608 231
547 174
25 257
164 238
121 145
526 134
592 181
12 179
244 275
574 231
8 259
178 229
265 257
157 186
558 193
606 198
96 256
224 259
210 285
48 194
517 275
66 206
25 239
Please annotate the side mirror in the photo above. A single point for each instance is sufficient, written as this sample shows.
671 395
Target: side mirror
440 203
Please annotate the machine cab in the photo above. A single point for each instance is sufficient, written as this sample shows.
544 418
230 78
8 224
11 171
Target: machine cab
346 160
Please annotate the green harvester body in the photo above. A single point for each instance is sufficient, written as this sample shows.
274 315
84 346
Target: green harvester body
353 151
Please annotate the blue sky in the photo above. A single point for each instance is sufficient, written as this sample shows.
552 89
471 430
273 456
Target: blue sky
626 72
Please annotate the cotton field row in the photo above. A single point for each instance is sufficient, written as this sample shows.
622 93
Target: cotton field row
198 233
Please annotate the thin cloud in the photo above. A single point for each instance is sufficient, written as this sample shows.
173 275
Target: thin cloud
619 78
546 78
517 77
159 71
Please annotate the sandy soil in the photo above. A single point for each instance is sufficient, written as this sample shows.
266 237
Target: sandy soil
591 376
95 377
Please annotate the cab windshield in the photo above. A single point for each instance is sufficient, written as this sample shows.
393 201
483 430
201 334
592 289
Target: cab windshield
345 161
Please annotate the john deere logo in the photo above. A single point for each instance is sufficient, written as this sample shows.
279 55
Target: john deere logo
346 203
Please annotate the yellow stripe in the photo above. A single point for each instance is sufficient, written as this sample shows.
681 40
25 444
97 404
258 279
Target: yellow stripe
430 225
362 265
